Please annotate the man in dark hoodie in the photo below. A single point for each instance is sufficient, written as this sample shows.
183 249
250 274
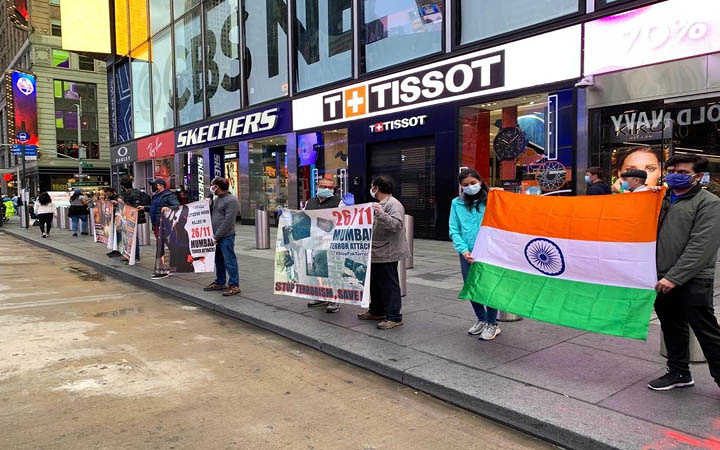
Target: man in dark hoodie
137 199
162 198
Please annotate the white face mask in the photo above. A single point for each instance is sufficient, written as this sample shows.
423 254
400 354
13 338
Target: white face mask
213 189
373 193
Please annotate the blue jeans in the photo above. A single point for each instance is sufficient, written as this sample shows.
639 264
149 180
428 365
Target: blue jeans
483 313
74 223
225 261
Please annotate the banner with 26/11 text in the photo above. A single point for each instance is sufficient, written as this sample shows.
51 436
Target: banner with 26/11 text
324 254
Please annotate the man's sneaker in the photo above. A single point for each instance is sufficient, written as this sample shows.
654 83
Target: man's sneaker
387 324
317 303
490 332
332 308
113 254
214 287
671 380
74 234
477 328
157 276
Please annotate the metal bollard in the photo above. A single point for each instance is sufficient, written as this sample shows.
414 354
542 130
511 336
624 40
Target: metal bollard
57 219
504 316
262 230
144 232
67 221
696 354
402 277
409 225
21 211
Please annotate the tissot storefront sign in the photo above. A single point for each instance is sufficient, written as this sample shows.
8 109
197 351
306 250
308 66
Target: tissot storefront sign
538 60
124 154
397 124
237 127
155 147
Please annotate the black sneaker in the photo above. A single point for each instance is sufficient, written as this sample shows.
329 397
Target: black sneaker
157 276
113 254
671 380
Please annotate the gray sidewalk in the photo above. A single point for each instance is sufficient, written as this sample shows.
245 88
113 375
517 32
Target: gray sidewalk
578 389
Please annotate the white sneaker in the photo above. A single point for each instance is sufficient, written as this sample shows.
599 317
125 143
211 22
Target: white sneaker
490 332
477 328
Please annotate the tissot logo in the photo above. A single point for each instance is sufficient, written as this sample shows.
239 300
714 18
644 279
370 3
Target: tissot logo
407 122
473 74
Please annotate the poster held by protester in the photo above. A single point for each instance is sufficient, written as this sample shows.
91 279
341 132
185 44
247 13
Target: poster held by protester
103 221
129 233
185 242
324 254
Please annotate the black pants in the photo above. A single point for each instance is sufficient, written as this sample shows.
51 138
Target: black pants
691 303
385 291
45 220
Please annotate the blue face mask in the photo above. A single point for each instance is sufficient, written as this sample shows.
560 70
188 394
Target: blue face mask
679 180
324 192
625 185
471 189
587 179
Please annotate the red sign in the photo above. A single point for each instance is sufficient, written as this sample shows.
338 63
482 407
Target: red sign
158 146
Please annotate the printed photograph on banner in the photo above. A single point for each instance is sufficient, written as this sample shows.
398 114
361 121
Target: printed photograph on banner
129 233
325 254
186 242
102 218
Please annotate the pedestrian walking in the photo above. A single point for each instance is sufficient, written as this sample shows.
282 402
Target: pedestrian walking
466 214
687 248
78 212
224 214
44 211
596 185
633 180
137 199
162 198
388 247
325 198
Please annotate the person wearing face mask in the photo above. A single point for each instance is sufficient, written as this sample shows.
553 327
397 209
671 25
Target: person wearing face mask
595 183
633 180
162 198
224 212
688 239
466 214
389 246
325 198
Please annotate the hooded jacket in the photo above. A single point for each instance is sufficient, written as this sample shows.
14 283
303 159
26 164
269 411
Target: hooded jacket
160 201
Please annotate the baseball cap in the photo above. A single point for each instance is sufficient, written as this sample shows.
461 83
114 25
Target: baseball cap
159 181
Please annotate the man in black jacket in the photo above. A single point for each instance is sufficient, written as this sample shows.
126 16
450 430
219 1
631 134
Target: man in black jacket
595 183
687 248
324 198
137 199
162 198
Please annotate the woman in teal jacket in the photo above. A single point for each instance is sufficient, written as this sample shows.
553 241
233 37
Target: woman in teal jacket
466 214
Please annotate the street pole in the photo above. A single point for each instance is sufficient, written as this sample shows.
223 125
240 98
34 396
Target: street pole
79 137
25 194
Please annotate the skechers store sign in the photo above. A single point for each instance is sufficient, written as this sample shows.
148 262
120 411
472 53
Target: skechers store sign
234 128
538 60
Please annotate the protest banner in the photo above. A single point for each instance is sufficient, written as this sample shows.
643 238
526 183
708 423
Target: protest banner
570 261
186 242
129 233
103 224
324 254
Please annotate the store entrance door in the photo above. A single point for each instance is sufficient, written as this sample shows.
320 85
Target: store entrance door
411 165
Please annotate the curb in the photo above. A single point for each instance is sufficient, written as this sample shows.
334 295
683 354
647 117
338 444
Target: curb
545 422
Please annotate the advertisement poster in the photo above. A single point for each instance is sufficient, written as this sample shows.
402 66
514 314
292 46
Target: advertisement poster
104 223
129 233
186 242
25 105
325 254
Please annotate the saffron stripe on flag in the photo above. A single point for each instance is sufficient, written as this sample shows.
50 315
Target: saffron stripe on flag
607 218
617 311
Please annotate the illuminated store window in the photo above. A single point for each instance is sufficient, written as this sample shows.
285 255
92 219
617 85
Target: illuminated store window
266 44
222 38
61 58
188 68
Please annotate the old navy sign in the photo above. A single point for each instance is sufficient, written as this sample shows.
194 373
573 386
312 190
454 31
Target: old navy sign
537 60
652 125
234 128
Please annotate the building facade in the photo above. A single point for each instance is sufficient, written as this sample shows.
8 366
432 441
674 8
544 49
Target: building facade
274 94
69 91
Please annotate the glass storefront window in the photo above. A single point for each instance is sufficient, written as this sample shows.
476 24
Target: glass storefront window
138 28
522 170
162 82
266 49
123 99
319 154
163 168
222 52
159 15
268 170
231 168
188 68
68 95
324 42
142 122
488 18
180 7
401 30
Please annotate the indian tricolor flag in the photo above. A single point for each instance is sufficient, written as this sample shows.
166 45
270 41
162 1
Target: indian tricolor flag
585 262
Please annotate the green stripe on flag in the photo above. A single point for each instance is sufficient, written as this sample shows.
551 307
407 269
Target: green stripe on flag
600 308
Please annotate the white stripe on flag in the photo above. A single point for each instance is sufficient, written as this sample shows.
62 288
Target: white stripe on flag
625 264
